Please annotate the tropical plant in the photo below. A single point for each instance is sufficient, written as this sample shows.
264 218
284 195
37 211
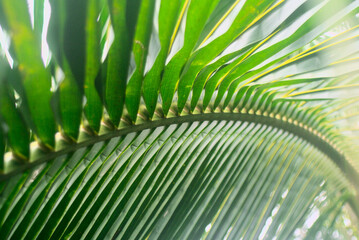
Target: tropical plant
179 119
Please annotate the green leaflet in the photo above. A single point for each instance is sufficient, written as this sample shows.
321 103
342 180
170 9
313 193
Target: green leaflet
177 178
237 170
167 16
262 95
35 228
261 189
123 17
242 73
145 160
121 171
93 105
337 204
39 198
213 176
17 132
32 71
183 174
280 184
139 199
2 150
194 195
203 56
16 185
56 214
194 24
69 104
16 212
68 98
38 17
91 186
3 21
298 183
200 152
139 50
159 177
96 188
183 139
300 208
206 73
244 168
254 130
222 10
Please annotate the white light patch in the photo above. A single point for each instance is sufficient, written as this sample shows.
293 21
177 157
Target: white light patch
30 5
313 216
45 50
347 222
285 193
4 46
265 228
109 33
208 227
275 210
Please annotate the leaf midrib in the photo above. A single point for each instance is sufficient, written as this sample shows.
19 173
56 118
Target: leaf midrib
296 129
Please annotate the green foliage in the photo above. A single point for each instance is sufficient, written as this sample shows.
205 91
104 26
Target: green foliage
181 119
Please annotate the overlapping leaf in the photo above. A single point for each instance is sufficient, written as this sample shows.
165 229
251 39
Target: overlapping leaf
179 119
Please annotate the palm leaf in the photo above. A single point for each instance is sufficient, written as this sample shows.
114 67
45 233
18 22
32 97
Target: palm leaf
179 119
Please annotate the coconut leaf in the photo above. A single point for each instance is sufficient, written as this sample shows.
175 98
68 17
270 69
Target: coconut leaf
180 119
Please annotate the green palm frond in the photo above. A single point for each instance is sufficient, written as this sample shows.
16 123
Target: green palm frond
179 119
